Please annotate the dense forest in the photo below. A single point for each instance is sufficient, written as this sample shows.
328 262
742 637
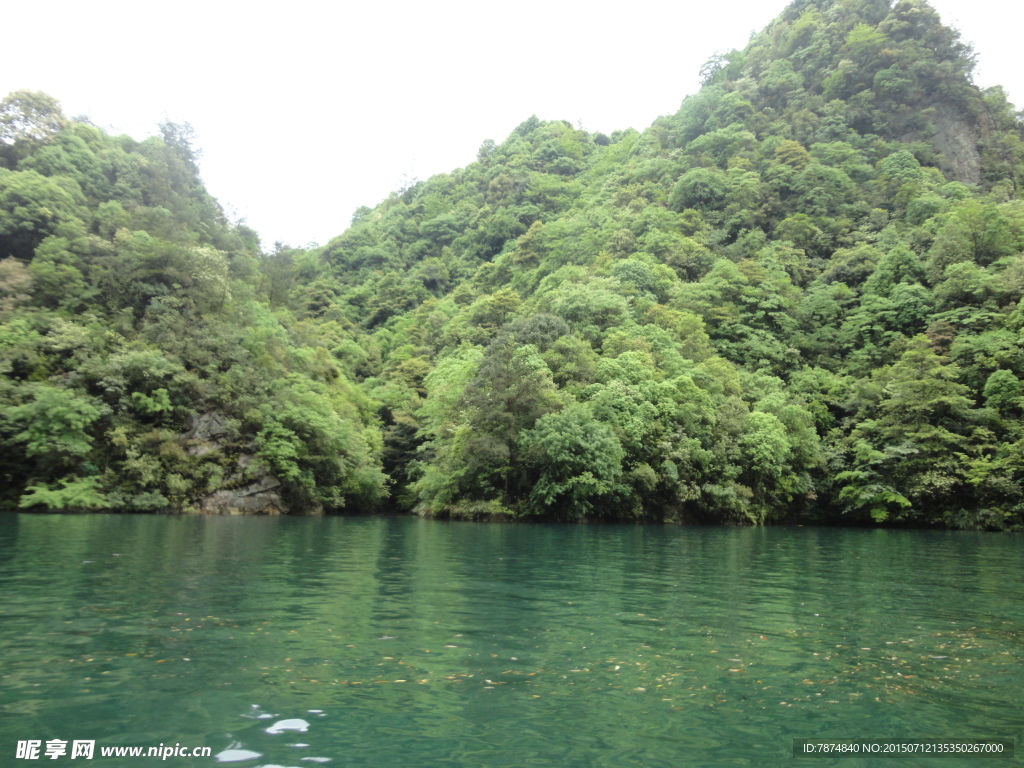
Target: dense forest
795 299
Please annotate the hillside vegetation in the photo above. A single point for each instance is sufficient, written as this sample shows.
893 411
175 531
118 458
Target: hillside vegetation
797 298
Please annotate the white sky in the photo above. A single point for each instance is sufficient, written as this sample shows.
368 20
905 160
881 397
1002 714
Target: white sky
306 110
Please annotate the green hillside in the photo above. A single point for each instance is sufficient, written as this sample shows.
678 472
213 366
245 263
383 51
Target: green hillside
141 366
796 299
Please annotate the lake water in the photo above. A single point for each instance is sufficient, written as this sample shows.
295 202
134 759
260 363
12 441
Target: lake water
401 642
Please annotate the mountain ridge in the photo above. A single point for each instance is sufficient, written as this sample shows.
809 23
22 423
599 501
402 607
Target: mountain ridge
796 298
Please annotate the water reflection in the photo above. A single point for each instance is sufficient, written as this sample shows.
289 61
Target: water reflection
421 643
8 536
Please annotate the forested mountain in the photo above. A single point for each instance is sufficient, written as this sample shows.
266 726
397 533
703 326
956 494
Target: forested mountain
797 298
141 365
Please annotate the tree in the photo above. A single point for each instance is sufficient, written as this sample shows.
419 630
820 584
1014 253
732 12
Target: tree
699 188
73 494
180 137
511 390
1004 391
29 116
576 461
56 428
864 488
32 207
918 437
793 154
15 286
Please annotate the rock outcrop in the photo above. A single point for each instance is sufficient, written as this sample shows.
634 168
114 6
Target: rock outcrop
205 433
247 490
260 497
956 139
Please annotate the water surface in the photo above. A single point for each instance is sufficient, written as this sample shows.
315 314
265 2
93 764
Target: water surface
400 642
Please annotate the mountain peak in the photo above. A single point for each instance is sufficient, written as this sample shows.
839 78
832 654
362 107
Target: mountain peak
828 70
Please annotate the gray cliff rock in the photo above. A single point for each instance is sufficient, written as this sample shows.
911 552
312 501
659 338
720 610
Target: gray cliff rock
247 490
205 432
259 497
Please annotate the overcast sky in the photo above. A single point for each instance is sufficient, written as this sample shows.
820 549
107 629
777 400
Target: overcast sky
305 111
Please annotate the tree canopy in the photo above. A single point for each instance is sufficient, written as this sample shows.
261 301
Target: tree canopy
796 298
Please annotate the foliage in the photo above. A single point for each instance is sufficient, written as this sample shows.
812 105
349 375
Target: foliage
129 308
795 299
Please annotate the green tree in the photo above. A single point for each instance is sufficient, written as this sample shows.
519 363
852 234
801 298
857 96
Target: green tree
56 427
925 426
576 462
29 116
698 188
33 207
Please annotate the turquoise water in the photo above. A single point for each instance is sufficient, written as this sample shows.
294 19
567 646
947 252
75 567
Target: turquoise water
400 642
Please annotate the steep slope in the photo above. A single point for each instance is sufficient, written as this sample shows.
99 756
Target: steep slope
140 368
796 298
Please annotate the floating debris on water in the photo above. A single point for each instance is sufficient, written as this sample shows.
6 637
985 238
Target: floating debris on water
236 755
295 724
